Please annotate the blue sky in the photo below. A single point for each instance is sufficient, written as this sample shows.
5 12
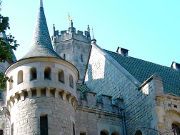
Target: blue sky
150 29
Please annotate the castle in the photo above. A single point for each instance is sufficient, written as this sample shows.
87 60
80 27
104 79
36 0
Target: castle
68 85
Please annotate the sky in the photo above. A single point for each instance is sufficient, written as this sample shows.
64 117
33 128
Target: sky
149 29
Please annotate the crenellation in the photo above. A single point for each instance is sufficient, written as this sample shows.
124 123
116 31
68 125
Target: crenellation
103 103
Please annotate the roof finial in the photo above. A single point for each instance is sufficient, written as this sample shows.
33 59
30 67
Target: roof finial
41 3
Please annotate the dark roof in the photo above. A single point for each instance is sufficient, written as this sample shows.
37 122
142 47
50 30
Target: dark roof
142 70
41 45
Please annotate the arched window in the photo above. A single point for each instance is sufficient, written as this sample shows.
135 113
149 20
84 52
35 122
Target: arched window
1 132
61 76
71 82
115 133
138 132
20 76
33 74
104 132
10 83
47 73
176 128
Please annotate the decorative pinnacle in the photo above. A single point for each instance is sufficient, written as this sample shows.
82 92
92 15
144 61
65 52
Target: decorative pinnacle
41 3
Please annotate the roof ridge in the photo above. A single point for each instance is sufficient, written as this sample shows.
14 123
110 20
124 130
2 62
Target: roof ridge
144 61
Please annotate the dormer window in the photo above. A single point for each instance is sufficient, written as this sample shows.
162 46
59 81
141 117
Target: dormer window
47 73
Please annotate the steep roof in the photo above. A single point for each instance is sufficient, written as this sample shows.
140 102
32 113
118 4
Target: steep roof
142 70
41 44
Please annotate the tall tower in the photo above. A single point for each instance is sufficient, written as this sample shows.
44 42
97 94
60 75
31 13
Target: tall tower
41 93
74 47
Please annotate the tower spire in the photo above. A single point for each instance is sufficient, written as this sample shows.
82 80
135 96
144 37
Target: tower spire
41 3
41 44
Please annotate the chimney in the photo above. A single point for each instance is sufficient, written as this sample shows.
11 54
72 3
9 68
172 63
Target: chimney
175 66
122 51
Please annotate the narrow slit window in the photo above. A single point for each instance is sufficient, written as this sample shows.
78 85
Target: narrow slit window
12 129
20 77
82 58
44 125
61 76
71 81
1 132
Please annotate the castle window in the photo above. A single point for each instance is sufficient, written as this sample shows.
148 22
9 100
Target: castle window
71 82
81 58
10 83
176 128
104 132
47 73
1 132
138 132
44 125
73 129
115 133
61 76
12 129
83 133
33 74
20 77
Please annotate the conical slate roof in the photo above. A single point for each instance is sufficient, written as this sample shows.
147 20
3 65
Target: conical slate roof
41 45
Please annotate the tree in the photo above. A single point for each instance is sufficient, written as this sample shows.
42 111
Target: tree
7 44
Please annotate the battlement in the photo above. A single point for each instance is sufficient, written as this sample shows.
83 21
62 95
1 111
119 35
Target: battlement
100 102
69 34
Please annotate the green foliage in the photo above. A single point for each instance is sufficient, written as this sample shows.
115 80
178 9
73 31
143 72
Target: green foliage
7 44
3 81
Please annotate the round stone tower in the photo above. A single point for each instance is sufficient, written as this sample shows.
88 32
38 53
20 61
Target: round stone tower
41 91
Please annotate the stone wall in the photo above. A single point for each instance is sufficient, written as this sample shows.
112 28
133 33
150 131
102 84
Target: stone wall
93 116
106 76
25 115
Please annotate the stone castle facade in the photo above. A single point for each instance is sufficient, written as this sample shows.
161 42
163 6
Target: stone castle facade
68 85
